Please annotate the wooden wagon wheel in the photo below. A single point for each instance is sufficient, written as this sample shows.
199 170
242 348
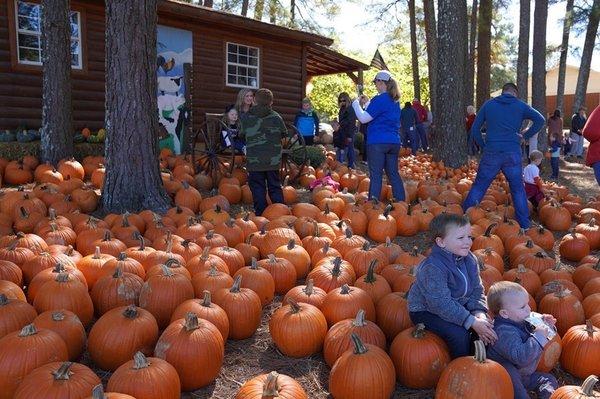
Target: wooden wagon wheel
209 154
293 155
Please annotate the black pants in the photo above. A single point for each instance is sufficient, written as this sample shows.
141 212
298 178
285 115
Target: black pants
259 183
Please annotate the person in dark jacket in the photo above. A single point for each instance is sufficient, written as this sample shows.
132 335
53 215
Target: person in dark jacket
503 117
421 119
577 124
408 124
520 344
307 122
263 130
343 136
447 295
473 148
591 132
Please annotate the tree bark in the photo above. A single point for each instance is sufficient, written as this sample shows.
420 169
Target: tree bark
484 51
208 3
523 54
292 12
245 7
564 49
586 57
273 11
132 180
431 42
471 61
57 111
538 72
414 50
258 9
450 144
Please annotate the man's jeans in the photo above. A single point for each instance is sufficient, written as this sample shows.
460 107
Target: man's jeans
510 164
346 152
422 136
384 157
577 145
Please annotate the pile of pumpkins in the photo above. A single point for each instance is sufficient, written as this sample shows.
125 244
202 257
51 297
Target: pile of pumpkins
21 135
155 298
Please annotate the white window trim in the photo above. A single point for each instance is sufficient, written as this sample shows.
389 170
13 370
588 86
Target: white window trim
228 63
39 34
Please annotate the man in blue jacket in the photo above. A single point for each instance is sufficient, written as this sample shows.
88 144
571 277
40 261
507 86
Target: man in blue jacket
503 117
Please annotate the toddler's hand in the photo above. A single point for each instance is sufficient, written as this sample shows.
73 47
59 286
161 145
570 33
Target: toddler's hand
485 330
544 330
549 319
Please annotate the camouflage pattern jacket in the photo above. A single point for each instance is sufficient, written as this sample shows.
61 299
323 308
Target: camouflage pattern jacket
263 130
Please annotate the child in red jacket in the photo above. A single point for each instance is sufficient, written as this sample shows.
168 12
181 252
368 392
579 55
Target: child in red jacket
591 132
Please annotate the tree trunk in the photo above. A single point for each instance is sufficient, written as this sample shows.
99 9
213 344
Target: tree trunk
484 51
132 181
258 9
523 55
292 12
57 111
586 57
431 42
208 3
273 11
450 144
564 49
414 50
538 72
245 7
471 62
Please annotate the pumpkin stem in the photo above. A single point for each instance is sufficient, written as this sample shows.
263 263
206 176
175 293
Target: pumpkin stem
98 392
69 250
415 251
122 256
529 244
205 253
107 236
293 305
191 321
386 211
210 234
488 231
58 315
254 264
348 232
592 222
166 269
308 290
235 288
419 331
207 301
291 244
3 300
337 266
366 246
359 347
326 247
97 253
521 268
272 258
271 387
118 272
370 276
28 330
480 355
63 372
587 388
589 328
59 268
359 320
345 289
130 312
140 361
62 277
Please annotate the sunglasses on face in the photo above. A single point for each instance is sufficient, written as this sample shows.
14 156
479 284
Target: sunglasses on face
341 101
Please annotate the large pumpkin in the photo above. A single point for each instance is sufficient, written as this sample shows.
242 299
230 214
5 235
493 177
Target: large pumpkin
206 310
419 357
365 371
270 386
474 377
68 326
195 348
344 302
586 390
14 314
146 378
57 380
581 349
243 308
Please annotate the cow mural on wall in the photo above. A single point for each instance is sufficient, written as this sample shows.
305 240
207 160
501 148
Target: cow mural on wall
174 50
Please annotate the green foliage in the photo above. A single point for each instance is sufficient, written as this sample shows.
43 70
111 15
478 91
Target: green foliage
359 139
314 155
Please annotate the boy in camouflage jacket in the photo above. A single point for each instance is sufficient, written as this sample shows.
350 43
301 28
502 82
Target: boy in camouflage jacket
263 130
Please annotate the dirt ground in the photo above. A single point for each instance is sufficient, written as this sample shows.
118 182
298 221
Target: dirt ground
250 357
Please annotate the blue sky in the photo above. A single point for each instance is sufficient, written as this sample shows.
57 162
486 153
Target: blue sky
365 38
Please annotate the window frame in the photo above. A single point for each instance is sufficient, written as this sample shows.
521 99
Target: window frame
236 64
14 31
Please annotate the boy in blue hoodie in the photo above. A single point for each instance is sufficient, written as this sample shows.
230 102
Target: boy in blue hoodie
307 122
503 117
517 348
447 295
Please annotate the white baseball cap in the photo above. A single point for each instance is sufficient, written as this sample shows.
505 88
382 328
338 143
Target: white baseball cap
383 75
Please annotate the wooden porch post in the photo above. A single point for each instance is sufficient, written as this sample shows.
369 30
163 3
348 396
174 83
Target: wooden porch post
304 74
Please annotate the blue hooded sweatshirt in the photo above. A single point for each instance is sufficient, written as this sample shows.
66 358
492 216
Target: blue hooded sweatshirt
503 117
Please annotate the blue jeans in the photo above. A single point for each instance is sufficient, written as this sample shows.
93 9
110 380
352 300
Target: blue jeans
259 183
347 152
596 167
422 136
384 157
510 164
472 144
554 164
411 139
456 337
543 384
577 145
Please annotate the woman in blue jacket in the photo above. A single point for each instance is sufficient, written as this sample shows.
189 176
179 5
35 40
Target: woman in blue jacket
307 122
382 114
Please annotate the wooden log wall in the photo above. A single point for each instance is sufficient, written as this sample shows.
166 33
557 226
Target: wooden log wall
20 86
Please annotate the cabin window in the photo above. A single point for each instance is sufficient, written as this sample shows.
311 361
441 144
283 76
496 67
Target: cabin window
242 65
28 22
